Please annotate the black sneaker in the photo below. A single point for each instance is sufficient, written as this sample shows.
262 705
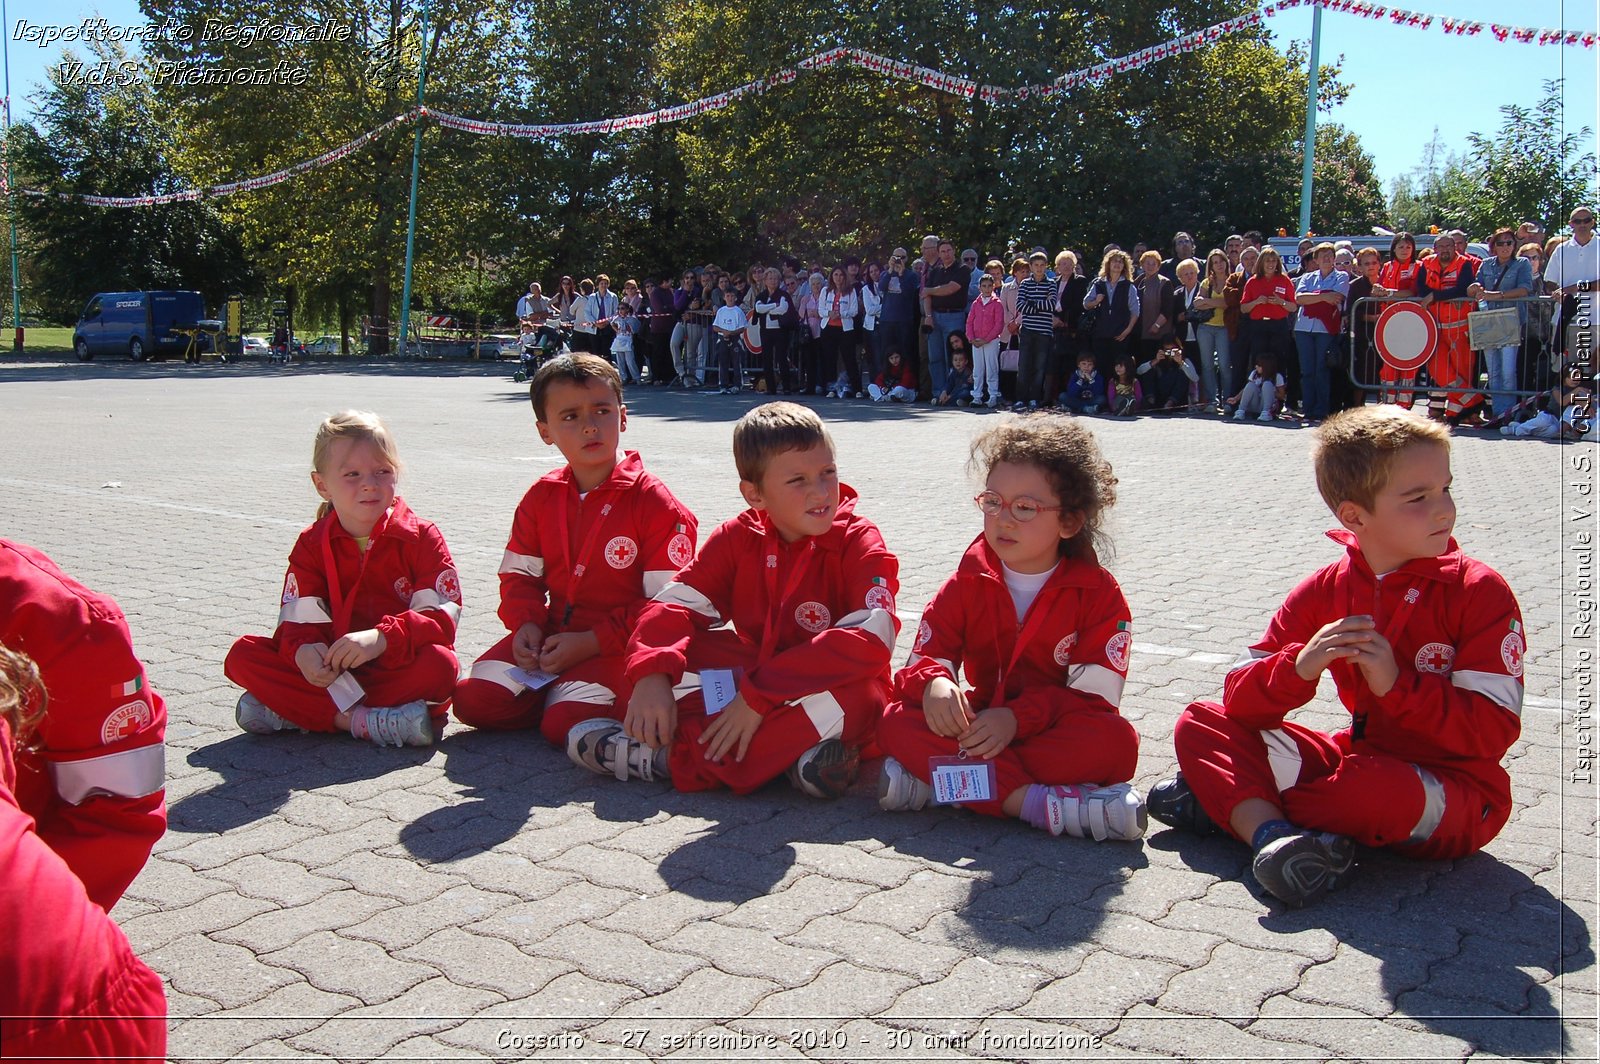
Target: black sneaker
1302 867
1174 804
826 770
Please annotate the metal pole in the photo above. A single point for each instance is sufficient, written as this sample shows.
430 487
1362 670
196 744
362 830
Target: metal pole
11 194
416 164
1311 122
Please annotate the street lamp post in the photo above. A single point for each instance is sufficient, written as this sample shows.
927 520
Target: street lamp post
416 165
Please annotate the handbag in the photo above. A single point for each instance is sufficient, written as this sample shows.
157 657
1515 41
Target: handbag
1488 330
1091 317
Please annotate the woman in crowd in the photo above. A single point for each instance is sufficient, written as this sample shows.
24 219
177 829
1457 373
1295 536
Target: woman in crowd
1503 277
1115 302
583 327
1187 291
1535 366
1071 287
836 307
1268 301
1208 313
1241 330
1364 356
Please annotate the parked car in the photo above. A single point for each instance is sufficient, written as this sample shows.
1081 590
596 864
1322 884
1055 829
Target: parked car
139 325
324 345
256 347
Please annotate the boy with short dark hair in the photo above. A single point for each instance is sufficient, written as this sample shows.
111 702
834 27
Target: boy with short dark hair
1425 646
590 543
798 683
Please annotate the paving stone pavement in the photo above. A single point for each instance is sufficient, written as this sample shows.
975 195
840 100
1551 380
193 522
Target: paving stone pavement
318 898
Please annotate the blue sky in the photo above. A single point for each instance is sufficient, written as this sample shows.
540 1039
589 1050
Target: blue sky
1405 82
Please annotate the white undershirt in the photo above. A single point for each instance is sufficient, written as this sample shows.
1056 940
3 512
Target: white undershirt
1024 587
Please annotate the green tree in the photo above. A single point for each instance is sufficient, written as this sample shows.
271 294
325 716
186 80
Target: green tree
1346 196
111 139
1532 170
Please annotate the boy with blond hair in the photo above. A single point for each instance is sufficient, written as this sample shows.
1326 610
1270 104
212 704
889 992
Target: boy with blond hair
797 684
590 543
1425 646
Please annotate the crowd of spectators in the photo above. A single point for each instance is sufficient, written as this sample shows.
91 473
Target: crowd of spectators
1229 332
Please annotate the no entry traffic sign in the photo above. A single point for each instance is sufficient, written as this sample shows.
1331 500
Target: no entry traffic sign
1406 335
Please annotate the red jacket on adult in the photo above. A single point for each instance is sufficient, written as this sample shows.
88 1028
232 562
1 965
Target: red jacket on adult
828 599
590 564
96 783
1457 637
404 585
1075 641
63 956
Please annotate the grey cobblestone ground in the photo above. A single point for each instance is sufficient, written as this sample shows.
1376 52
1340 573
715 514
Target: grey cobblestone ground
317 898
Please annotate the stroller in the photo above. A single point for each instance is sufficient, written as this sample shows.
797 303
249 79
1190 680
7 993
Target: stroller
538 344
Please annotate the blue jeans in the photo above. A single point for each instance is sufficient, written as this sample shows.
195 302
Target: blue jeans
1314 349
945 322
1216 381
1502 365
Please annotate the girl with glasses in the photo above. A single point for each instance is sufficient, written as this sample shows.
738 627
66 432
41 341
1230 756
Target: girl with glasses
1041 634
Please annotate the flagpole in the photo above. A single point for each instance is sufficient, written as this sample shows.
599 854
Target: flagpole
416 164
1311 122
11 195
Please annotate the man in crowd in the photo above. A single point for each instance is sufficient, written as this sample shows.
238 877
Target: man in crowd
1573 276
1182 248
1442 287
944 296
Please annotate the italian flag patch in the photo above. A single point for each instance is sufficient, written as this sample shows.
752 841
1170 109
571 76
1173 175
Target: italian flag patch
1124 626
133 686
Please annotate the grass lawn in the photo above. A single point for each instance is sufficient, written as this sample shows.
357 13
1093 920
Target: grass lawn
41 339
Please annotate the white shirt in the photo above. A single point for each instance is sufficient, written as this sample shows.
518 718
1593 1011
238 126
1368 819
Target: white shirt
730 318
1572 262
1025 587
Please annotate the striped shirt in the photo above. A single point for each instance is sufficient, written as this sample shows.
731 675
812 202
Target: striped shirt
1036 301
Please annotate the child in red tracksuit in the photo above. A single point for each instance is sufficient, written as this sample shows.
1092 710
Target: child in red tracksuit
590 543
365 638
94 776
1425 646
799 681
70 986
1041 633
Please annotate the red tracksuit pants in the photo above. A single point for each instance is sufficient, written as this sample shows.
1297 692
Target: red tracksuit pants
489 698
255 664
1378 800
1089 746
849 712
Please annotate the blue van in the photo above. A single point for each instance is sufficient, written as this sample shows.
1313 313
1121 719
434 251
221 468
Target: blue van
139 325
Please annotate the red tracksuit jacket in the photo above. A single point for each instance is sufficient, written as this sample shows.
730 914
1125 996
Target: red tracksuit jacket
829 600
63 955
96 784
591 565
1457 637
1075 650
404 585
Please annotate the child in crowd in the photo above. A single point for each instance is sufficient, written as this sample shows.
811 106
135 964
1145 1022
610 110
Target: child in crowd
1086 391
626 326
729 326
569 615
92 774
958 381
365 638
986 325
1041 633
1425 646
897 383
1123 391
1264 392
1168 377
1566 411
70 986
797 684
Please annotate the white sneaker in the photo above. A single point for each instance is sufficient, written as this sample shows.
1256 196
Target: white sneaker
900 791
1084 811
1238 415
406 725
1266 415
254 716
598 745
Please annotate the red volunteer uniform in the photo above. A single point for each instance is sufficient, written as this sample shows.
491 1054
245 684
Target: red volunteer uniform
813 629
404 585
576 565
1060 670
96 783
1452 364
1418 769
63 956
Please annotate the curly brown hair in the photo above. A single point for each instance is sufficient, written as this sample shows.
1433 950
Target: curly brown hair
22 697
1070 458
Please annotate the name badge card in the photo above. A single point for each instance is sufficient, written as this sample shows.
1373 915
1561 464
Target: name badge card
532 679
719 686
345 691
961 779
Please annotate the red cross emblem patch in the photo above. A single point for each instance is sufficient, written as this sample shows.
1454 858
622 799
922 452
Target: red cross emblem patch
124 721
448 585
1511 649
621 552
1435 658
812 616
291 589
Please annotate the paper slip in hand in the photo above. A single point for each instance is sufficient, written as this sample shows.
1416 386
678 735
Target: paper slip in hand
345 691
961 779
531 679
720 686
